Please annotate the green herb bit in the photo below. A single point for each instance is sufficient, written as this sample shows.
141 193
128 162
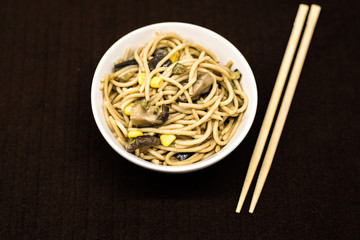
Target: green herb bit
178 69
235 75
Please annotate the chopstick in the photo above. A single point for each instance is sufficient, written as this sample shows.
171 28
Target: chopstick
274 100
285 105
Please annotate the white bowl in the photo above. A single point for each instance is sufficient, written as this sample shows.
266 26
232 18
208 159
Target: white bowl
224 51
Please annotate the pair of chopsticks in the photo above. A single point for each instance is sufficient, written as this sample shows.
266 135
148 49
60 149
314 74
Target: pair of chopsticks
274 101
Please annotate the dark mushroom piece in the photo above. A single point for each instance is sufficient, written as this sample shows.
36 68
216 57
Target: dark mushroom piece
167 63
183 156
121 65
202 85
142 142
152 116
162 51
155 60
158 56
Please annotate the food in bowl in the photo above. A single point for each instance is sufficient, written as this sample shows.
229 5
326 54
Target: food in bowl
171 102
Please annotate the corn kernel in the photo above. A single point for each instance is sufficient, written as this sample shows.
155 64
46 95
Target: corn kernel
141 78
175 57
127 109
135 133
167 139
156 82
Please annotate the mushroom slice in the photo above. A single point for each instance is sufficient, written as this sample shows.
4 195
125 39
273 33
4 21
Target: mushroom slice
142 142
158 56
201 85
152 116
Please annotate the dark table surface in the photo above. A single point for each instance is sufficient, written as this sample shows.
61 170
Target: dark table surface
59 179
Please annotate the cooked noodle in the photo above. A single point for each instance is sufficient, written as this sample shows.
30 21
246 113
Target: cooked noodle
201 126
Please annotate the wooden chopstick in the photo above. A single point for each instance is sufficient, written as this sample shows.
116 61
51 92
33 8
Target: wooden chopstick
274 100
285 105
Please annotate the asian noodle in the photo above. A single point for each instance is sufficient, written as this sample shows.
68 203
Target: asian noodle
163 80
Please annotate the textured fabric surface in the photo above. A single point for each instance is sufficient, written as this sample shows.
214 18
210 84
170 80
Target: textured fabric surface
59 179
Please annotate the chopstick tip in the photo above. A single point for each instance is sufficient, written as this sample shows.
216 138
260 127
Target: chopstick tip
251 209
303 5
238 207
316 6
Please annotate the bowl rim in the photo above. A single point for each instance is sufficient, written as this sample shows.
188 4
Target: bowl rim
161 168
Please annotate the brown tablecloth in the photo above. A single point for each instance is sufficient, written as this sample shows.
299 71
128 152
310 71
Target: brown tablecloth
59 179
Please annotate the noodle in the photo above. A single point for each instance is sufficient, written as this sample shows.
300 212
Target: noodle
200 119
